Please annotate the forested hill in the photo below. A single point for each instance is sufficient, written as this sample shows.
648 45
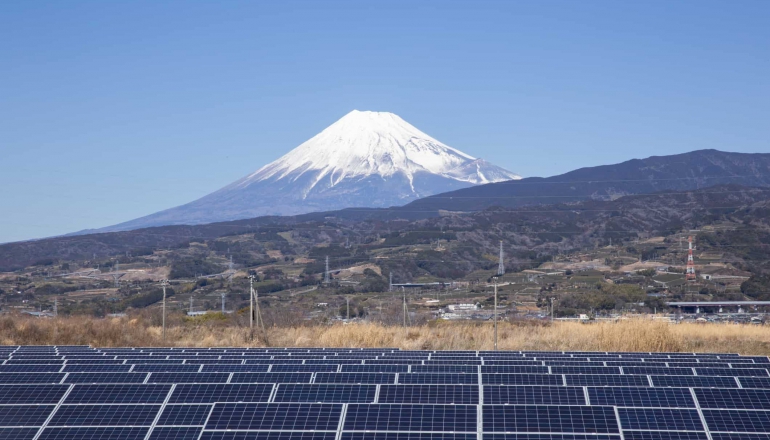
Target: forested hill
681 172
528 230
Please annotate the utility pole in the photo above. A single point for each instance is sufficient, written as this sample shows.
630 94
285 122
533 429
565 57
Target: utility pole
55 307
495 315
390 276
223 303
251 306
552 310
191 304
348 301
404 291
500 264
163 285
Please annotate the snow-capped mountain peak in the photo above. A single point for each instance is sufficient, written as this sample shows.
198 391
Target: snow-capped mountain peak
366 159
365 143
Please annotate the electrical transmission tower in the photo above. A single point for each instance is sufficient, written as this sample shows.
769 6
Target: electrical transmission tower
690 262
326 272
500 264
223 303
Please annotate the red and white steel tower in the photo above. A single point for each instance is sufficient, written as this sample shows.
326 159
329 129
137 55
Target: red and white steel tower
690 275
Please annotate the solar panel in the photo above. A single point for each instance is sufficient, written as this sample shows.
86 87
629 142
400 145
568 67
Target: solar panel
375 378
24 415
118 393
211 393
612 380
517 369
514 436
754 382
664 435
739 436
520 379
227 368
304 368
649 397
18 433
166 368
749 372
188 377
275 416
733 398
175 433
737 420
375 368
30 368
105 378
96 415
96 368
585 370
470 369
533 395
271 378
694 381
274 435
21 394
408 436
325 393
662 419
184 415
430 394
552 418
438 378
435 418
11 378
663 371
107 433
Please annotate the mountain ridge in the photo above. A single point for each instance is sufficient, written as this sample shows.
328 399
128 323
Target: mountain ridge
368 159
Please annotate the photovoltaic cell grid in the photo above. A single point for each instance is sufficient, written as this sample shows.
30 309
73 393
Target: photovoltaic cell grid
379 394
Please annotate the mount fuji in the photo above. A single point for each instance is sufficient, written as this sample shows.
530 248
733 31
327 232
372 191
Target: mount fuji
366 159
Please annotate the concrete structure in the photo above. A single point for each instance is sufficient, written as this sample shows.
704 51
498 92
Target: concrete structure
720 305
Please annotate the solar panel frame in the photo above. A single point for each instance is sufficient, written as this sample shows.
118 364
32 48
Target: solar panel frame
17 394
219 393
521 379
184 415
117 393
549 418
275 416
533 395
18 433
641 397
325 393
408 417
93 433
694 381
438 379
734 420
429 394
733 398
660 419
104 415
175 433
19 416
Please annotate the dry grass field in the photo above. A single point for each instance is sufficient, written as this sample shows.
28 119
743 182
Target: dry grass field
626 335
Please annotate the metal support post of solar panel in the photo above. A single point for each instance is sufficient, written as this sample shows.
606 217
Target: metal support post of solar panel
80 392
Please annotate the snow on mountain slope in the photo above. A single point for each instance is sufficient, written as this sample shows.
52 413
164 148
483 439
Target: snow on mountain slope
365 159
369 143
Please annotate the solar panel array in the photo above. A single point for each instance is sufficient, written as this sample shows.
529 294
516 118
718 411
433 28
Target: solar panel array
79 392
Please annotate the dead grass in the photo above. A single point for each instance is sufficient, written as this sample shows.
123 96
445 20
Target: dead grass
629 335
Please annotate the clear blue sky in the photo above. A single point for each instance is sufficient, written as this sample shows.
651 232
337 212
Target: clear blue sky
113 110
